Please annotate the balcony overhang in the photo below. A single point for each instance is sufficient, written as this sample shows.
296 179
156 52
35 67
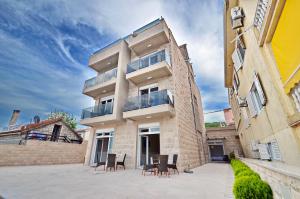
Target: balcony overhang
149 39
164 110
99 120
103 61
99 89
156 71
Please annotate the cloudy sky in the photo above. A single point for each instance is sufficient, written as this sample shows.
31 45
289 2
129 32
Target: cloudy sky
45 45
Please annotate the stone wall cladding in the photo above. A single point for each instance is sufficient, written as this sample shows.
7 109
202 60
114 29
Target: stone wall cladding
189 141
36 152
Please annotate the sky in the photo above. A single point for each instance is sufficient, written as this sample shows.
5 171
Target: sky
45 46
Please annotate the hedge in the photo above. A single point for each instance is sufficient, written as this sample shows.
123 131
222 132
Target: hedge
248 184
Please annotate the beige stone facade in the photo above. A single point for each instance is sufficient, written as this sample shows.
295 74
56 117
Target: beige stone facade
154 105
274 122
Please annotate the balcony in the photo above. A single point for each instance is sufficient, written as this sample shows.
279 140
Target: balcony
103 83
96 115
154 105
149 37
154 66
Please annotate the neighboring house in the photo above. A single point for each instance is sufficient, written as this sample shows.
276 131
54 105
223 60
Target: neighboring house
146 100
84 133
55 130
261 58
223 140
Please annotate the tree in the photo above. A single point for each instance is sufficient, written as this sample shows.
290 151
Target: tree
68 118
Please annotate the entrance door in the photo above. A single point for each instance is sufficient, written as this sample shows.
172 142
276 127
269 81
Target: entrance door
216 152
149 147
101 149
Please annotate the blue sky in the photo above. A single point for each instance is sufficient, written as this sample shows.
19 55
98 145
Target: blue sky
45 47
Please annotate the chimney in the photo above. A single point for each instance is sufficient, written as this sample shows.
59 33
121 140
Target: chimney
14 118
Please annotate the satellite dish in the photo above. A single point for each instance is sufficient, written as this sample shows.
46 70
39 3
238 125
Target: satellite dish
36 119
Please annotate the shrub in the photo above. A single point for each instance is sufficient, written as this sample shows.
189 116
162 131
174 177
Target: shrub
248 187
248 184
231 156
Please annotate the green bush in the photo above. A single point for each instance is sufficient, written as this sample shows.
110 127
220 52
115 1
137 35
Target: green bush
248 187
248 184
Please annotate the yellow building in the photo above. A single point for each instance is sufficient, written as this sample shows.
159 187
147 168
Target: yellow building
262 48
262 61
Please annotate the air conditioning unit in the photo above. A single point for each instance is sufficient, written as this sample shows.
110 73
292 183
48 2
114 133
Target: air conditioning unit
242 102
237 16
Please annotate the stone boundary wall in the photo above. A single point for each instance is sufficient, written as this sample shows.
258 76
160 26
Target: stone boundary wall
36 152
285 182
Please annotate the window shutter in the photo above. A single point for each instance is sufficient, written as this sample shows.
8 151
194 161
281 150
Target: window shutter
251 105
260 90
236 60
263 152
275 150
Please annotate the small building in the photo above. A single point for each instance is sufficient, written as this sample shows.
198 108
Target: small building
55 130
223 141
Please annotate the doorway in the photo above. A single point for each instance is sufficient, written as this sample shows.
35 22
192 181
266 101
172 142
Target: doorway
102 145
55 133
148 144
107 105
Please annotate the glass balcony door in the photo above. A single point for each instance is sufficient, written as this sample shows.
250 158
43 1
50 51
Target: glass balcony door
147 96
106 106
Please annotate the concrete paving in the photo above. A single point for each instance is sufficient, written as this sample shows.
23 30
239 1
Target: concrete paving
212 180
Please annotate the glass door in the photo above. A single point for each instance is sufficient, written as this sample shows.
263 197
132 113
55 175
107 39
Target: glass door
144 150
101 149
148 96
107 106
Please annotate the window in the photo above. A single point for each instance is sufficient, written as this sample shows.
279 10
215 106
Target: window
236 82
256 97
238 54
260 13
295 93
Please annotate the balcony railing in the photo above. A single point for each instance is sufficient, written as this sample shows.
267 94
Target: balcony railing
148 61
101 78
99 110
146 101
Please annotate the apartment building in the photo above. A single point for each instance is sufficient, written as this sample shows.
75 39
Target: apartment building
262 73
146 100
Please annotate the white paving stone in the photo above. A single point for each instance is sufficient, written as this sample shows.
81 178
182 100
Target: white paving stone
76 181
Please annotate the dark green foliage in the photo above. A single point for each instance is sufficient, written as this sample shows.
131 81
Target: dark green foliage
248 184
231 156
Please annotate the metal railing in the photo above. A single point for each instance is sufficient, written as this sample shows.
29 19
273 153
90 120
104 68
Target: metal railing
99 110
149 100
101 78
33 135
148 61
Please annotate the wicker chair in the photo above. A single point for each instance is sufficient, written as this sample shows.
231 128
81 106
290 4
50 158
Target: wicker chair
163 165
174 164
111 161
152 166
121 163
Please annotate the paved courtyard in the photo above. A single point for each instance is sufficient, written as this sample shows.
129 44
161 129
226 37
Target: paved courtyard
76 181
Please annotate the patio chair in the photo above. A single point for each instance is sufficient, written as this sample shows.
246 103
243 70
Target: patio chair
99 162
163 165
152 166
121 163
174 164
111 161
